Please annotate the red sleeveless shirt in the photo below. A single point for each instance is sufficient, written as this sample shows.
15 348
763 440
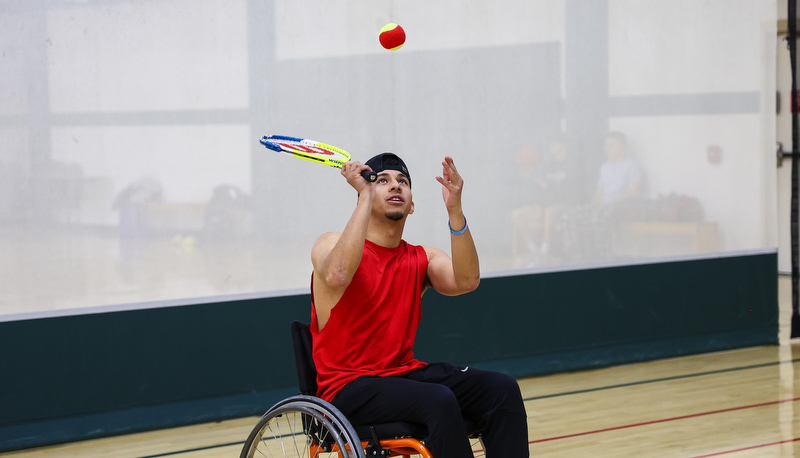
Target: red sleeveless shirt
372 328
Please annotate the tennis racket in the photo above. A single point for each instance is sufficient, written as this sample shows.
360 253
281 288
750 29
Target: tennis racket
313 151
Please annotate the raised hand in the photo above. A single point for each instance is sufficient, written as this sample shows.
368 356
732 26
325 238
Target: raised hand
452 185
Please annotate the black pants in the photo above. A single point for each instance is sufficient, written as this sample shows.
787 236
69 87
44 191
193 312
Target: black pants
440 396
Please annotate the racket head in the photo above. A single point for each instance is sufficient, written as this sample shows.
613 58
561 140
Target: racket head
310 150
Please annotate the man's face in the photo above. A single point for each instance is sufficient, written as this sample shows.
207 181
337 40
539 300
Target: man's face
394 194
615 149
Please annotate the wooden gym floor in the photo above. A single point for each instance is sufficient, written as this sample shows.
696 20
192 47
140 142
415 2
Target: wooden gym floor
742 403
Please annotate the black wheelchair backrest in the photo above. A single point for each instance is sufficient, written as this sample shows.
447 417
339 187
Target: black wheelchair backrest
303 358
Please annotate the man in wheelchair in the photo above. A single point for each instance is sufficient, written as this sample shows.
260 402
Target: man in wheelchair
366 293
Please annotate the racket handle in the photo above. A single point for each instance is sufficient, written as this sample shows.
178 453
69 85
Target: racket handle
369 175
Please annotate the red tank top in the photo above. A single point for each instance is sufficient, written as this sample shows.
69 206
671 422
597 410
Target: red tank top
372 328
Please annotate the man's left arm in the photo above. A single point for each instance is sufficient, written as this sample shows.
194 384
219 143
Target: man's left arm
461 273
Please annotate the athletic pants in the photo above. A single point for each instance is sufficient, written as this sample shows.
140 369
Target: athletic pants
440 396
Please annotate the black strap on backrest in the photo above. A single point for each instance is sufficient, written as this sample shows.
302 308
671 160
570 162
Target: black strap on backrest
303 359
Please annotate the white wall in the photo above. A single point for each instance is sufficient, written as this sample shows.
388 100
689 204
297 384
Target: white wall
97 96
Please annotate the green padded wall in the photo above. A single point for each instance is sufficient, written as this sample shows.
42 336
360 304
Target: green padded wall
77 377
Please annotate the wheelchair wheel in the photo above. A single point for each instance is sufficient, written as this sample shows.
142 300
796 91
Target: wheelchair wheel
303 426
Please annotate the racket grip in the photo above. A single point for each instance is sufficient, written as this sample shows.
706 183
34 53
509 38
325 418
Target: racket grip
369 175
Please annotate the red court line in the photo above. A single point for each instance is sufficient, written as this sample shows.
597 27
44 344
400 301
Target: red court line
749 448
664 420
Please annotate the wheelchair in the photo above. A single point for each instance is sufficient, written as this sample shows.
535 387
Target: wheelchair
305 425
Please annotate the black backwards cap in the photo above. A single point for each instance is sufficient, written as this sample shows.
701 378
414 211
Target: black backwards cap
388 161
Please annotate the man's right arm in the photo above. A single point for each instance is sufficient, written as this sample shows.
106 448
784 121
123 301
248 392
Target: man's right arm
336 256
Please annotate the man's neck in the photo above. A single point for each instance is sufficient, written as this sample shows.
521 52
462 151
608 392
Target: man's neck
386 233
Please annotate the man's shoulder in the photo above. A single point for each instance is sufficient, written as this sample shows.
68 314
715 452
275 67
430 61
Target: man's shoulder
430 251
412 246
326 241
329 236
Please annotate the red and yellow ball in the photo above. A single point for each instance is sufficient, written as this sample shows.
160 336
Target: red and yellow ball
392 36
